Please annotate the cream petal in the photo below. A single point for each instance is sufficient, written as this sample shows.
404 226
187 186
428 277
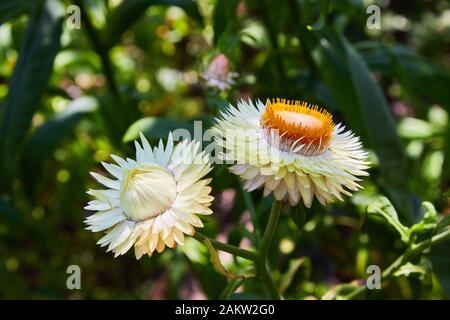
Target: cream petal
121 162
97 205
184 227
160 246
169 240
140 250
178 236
122 236
153 242
281 191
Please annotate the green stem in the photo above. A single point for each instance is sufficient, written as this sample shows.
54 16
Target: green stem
228 248
409 255
263 264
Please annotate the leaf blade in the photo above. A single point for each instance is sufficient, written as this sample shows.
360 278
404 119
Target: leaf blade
29 81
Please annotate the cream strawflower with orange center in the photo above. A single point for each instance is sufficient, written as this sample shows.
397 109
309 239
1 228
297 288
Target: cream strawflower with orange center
292 149
153 201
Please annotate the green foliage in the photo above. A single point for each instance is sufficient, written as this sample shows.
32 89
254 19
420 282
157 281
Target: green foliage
70 98
384 208
130 11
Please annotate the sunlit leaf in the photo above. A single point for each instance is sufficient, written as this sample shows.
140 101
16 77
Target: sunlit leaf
439 257
215 260
294 269
29 80
408 269
412 128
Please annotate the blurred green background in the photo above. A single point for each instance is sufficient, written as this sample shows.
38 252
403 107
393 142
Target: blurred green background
71 97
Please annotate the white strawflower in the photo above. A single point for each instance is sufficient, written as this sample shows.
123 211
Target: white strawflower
292 149
218 74
153 200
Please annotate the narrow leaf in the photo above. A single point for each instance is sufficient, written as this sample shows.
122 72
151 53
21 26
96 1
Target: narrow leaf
383 208
11 9
215 260
323 9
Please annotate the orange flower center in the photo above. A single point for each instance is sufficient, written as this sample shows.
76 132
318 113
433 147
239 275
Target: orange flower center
298 126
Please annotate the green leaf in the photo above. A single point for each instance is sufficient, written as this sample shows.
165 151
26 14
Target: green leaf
339 291
295 266
255 35
421 270
29 81
129 11
413 72
11 9
8 211
443 223
416 73
364 107
412 128
383 208
47 137
232 286
446 166
210 280
224 17
441 264
159 128
407 269
324 6
427 224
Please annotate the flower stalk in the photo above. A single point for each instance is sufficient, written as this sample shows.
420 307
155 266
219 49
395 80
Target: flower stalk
246 254
260 259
